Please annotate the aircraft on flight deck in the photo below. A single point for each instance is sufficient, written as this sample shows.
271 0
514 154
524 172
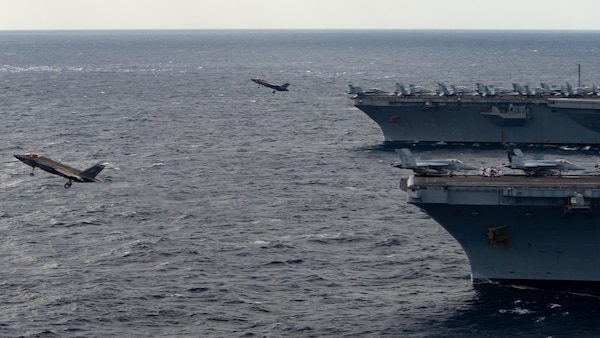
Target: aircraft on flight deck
359 91
429 167
538 167
282 88
34 160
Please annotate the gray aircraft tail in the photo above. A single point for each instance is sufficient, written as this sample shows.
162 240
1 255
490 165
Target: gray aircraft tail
284 86
443 90
355 90
91 172
516 158
407 158
517 88
401 90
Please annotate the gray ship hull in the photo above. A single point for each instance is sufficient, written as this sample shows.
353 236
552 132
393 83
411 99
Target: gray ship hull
518 229
475 119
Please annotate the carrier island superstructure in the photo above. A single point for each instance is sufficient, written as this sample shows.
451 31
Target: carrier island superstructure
519 229
545 115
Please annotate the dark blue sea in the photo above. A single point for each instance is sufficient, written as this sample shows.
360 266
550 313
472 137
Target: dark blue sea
231 211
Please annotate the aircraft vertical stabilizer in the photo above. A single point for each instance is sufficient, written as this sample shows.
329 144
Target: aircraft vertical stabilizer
407 158
91 172
516 158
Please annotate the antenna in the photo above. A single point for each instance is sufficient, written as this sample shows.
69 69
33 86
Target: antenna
578 75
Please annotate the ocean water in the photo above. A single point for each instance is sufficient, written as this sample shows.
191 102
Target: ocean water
228 210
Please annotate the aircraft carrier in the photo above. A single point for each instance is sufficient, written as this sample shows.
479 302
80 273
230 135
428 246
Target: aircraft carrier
545 115
517 229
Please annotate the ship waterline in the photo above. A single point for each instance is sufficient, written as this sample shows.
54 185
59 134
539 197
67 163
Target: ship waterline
480 119
518 229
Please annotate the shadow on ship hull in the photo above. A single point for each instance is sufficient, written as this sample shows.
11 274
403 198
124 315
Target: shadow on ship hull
550 148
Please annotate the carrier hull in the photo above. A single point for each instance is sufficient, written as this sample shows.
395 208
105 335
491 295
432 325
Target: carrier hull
518 229
477 119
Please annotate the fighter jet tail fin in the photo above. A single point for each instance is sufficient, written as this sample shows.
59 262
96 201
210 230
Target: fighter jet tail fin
407 158
284 86
91 172
516 158
355 90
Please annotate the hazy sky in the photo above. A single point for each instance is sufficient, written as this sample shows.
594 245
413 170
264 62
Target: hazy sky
336 14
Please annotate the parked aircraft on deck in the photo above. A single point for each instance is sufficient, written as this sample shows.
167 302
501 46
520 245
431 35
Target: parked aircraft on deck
538 167
429 167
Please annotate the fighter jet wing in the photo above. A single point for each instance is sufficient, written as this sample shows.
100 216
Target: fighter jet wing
434 163
540 165
68 172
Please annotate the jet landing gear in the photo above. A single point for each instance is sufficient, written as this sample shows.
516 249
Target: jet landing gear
68 184
32 172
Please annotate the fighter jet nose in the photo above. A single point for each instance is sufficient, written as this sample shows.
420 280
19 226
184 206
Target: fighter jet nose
22 158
